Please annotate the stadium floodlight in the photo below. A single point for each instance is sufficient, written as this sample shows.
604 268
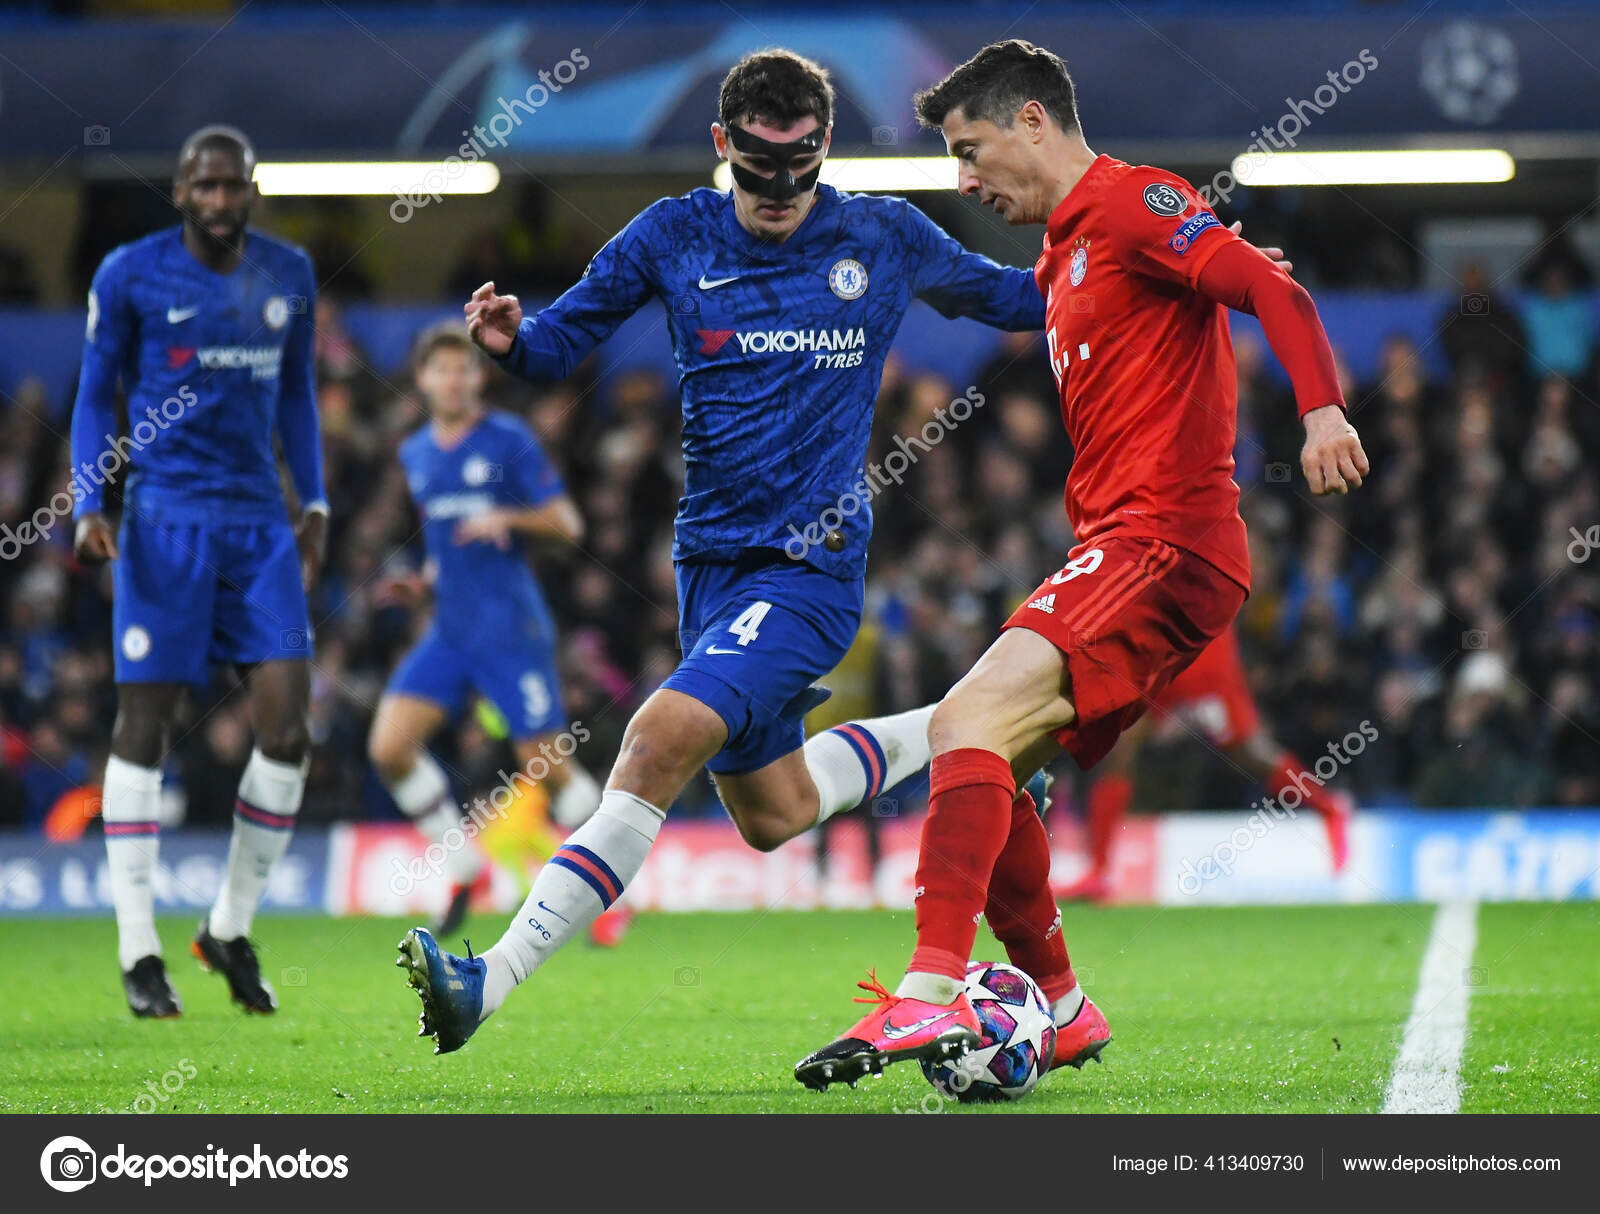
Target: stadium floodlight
868 174
1400 166
403 178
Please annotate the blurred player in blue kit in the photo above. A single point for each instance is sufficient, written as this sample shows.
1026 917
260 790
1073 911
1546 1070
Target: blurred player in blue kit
783 297
484 487
208 327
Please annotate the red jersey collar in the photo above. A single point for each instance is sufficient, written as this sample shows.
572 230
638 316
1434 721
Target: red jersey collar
1061 219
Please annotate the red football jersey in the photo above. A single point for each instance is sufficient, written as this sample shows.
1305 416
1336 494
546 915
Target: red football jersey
1144 363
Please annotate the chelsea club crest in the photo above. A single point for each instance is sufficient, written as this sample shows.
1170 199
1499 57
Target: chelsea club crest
848 279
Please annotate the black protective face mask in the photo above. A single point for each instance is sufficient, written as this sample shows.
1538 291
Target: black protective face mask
783 184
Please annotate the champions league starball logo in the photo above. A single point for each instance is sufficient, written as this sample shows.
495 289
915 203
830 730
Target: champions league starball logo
1470 71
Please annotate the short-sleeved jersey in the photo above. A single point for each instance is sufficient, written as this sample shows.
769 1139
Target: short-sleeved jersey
1144 363
481 592
780 351
213 365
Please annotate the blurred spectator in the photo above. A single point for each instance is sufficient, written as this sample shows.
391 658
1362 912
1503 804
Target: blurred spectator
1479 763
1481 333
1561 323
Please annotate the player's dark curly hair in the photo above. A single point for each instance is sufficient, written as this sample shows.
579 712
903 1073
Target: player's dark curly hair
775 86
998 81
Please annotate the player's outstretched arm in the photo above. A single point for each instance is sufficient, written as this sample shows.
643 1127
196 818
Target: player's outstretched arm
549 345
1246 279
956 282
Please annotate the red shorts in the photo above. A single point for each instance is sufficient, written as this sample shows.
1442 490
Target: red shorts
1212 694
1128 614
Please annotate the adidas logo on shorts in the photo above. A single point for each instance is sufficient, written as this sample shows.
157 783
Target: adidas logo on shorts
1045 603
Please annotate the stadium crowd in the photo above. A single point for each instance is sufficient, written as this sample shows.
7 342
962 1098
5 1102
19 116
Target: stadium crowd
1451 602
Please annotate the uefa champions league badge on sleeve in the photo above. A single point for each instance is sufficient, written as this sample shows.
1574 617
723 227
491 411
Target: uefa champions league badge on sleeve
848 278
1165 201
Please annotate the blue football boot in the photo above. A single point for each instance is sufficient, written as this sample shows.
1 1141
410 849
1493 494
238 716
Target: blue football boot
450 987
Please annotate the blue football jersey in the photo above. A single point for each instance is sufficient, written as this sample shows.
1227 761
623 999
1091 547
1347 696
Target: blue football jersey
481 592
213 366
780 349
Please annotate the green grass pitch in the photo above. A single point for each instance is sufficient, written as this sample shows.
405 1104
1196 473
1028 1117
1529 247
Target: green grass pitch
1277 1009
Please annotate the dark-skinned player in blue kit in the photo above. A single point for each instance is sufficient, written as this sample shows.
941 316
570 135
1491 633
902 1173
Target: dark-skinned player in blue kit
208 328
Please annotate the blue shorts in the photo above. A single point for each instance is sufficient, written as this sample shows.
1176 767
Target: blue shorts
187 595
520 680
756 634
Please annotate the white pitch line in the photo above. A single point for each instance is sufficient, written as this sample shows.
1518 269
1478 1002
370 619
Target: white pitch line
1427 1074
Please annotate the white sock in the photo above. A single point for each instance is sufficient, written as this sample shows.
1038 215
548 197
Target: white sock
577 800
263 821
1067 1007
930 988
423 795
129 802
856 761
586 875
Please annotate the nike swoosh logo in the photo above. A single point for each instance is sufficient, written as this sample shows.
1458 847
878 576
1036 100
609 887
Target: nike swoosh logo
707 283
896 1031
176 316
716 649
556 913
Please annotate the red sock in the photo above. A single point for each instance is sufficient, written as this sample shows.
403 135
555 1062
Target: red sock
1022 911
969 819
1288 772
1107 806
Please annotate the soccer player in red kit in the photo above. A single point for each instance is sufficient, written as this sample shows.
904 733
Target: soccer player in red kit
1212 697
1137 275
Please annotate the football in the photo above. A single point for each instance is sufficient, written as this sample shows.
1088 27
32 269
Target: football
1018 1043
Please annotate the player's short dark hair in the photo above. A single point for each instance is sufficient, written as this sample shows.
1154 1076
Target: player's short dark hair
775 86
446 335
997 82
214 137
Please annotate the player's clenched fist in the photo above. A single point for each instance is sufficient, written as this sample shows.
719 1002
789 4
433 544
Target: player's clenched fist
94 541
492 319
1332 458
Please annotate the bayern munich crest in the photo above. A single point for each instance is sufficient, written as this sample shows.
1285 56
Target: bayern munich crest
1078 266
848 279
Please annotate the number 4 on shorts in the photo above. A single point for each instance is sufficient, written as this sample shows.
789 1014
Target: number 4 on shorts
747 626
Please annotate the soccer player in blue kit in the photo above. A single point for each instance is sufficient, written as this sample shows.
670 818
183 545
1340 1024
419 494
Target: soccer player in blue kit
208 326
483 486
783 297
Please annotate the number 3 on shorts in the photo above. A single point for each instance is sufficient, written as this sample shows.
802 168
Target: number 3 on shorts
535 695
747 626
